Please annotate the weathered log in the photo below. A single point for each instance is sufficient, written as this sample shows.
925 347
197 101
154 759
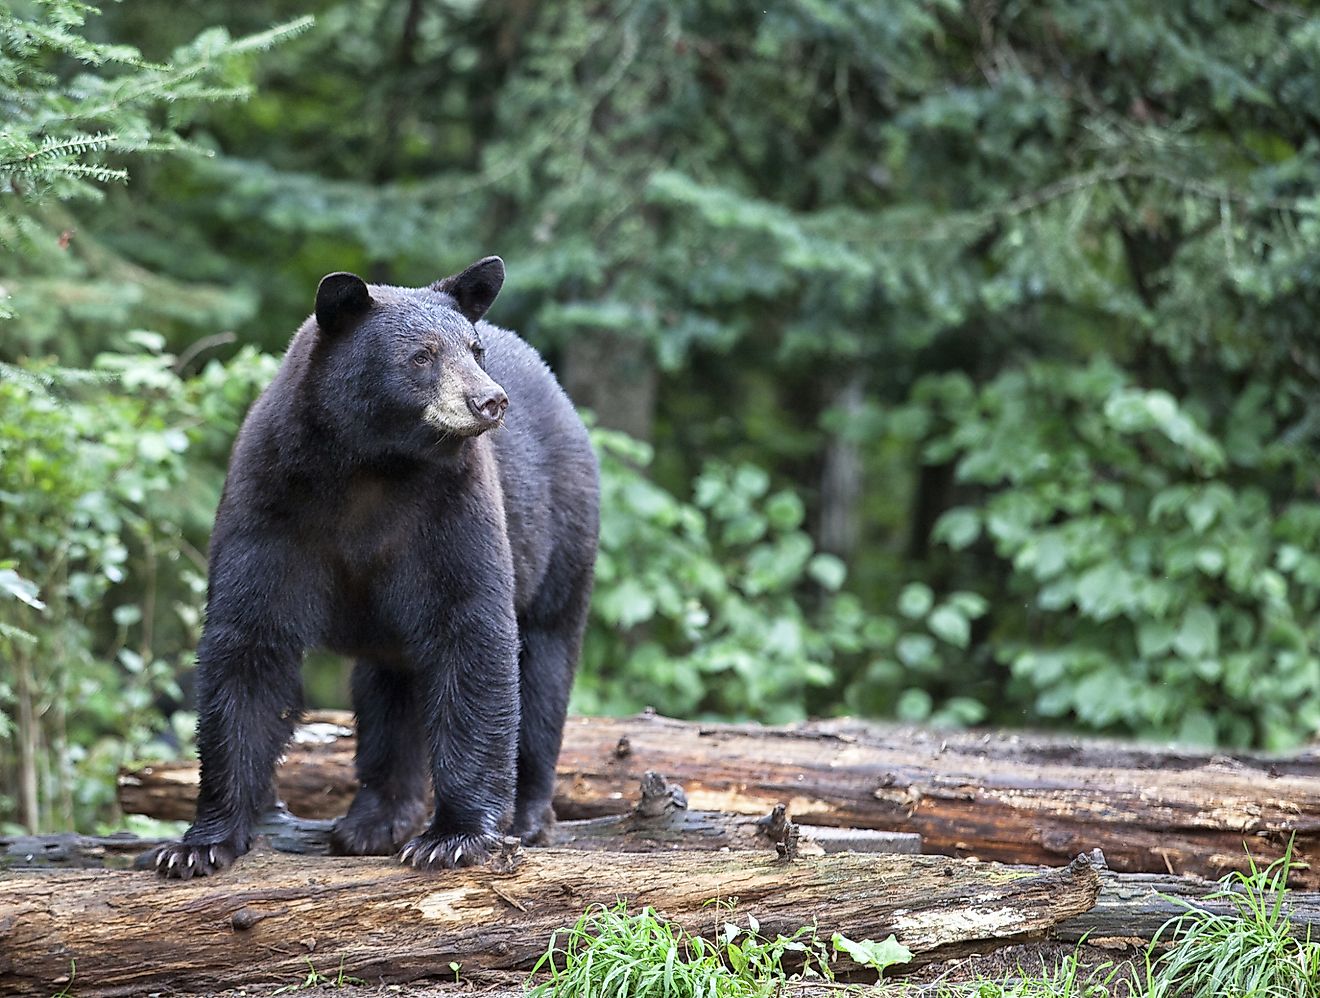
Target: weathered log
661 819
71 851
1132 907
1005 797
131 933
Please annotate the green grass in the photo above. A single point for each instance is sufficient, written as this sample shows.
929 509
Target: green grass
610 953
1249 952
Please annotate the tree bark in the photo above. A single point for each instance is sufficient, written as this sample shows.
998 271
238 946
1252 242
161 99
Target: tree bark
121 933
1005 797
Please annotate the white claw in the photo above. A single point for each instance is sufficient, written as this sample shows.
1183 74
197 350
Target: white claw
192 860
435 852
458 855
406 855
174 860
212 852
160 858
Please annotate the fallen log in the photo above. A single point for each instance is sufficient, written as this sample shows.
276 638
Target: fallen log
661 819
1005 797
120 933
1132 907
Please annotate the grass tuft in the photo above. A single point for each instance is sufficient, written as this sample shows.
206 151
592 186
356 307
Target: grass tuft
1250 951
610 953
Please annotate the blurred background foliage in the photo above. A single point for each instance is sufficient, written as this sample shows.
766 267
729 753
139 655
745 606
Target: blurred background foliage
952 360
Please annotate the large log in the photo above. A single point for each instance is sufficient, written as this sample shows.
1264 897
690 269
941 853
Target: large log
1005 797
126 933
660 820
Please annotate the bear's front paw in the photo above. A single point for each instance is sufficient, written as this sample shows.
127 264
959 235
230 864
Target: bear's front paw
374 828
430 851
185 860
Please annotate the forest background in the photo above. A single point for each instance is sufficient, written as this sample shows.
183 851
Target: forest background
949 361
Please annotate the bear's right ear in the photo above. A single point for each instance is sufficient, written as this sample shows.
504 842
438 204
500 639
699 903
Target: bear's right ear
340 298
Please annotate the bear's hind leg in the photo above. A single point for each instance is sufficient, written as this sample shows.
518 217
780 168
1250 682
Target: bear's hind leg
392 765
551 643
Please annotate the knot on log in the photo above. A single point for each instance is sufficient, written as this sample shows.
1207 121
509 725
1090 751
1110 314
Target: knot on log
246 917
624 748
509 856
659 797
788 844
773 824
1095 859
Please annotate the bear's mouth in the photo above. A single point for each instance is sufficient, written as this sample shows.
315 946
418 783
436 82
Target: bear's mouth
452 422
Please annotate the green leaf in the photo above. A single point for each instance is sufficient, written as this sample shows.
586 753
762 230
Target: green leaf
958 528
21 589
889 952
914 705
828 570
915 600
949 624
1198 637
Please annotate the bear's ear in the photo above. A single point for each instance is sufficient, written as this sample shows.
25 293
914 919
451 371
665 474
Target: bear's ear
475 289
340 298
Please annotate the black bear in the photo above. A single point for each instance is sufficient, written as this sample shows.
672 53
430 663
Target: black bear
382 504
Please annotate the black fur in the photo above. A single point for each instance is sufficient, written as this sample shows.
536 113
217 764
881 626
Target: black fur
367 510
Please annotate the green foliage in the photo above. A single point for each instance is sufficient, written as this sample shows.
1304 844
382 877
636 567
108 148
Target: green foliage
1077 226
610 953
879 956
1153 582
105 511
74 110
696 607
316 979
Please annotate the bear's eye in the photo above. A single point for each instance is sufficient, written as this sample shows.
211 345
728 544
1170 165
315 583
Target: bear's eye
422 358
478 350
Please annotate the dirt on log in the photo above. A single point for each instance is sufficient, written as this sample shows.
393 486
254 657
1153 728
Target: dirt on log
1013 798
124 933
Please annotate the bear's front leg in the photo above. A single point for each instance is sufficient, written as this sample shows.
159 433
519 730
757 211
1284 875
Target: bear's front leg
469 673
249 696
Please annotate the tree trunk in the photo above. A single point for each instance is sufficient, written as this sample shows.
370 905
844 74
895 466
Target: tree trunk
841 485
120 933
1006 797
615 377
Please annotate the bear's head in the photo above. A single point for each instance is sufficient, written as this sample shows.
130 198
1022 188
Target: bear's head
404 368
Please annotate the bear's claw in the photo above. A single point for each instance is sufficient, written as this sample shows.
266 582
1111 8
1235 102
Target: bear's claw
429 851
185 860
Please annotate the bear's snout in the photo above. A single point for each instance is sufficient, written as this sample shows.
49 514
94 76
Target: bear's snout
489 406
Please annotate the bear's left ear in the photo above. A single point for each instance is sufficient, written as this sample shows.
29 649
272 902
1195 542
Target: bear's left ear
340 298
475 289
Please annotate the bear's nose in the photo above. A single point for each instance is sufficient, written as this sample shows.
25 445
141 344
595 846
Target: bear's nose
488 407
